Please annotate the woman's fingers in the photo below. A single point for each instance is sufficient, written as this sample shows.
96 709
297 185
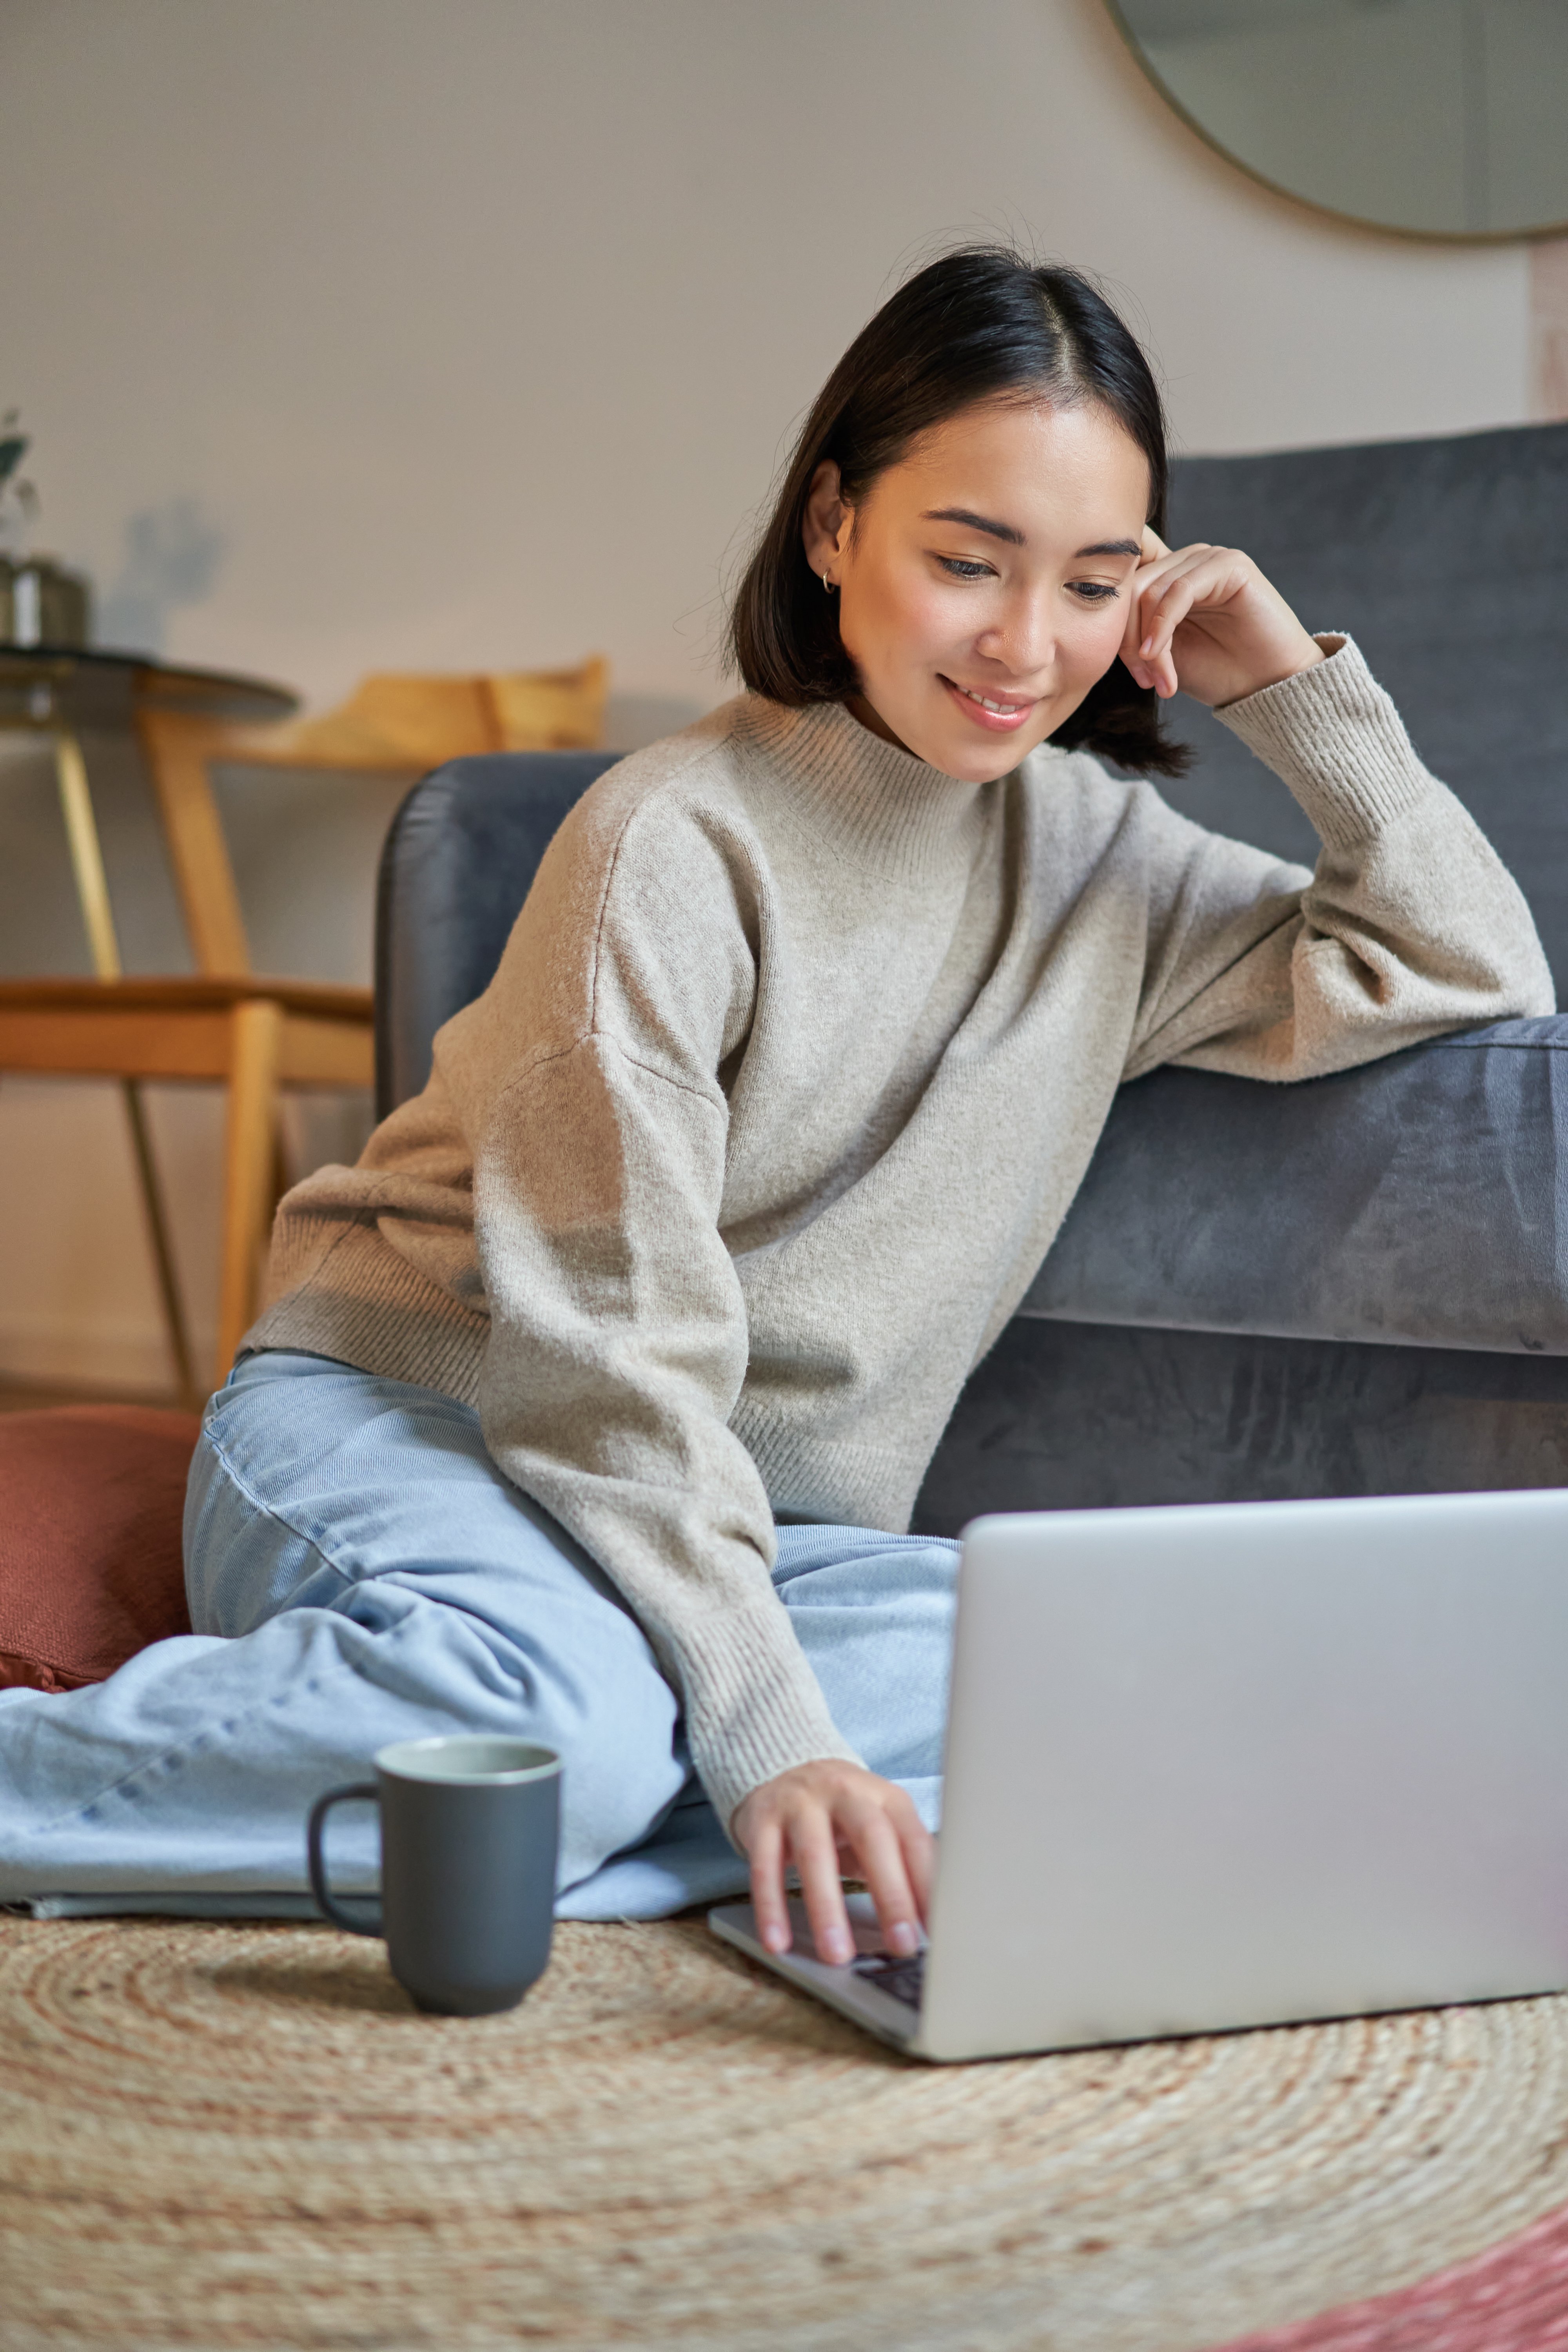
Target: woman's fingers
1198 579
814 1848
817 1817
1157 567
765 1852
879 1851
919 1856
1153 556
1170 596
1133 629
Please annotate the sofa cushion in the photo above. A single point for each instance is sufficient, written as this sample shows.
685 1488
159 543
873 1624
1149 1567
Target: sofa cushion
92 1501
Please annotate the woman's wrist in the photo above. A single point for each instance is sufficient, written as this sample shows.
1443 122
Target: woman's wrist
1306 656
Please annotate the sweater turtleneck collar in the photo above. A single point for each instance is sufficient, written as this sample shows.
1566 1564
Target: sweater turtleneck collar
872 802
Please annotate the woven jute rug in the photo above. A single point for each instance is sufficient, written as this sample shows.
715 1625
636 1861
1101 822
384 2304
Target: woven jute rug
219 2137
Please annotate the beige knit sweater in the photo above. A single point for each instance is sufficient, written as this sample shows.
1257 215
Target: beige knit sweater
794 1063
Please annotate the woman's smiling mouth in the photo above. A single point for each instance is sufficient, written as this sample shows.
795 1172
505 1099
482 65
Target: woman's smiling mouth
996 714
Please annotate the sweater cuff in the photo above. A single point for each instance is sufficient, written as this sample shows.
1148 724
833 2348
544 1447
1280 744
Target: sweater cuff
753 1707
1335 736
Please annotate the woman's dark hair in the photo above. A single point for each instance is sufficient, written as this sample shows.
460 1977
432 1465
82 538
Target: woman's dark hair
980 324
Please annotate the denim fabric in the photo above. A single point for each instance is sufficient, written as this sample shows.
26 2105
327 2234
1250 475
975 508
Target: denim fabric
360 1571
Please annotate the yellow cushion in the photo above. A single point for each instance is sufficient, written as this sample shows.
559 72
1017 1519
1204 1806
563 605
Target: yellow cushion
551 710
400 720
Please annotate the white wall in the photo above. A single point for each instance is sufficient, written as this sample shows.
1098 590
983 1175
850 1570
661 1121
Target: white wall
467 333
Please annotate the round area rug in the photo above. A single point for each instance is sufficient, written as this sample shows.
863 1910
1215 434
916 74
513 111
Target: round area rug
219 2137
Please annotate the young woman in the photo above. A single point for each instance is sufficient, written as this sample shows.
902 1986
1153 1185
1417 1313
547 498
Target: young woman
585 1396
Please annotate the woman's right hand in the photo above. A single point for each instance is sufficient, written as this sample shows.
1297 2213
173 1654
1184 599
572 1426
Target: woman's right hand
829 1818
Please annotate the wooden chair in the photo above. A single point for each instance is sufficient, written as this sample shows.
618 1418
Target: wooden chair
254 1035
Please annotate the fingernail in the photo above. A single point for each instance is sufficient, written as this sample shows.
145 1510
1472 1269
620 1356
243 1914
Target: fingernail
838 1948
776 1939
903 1939
1147 646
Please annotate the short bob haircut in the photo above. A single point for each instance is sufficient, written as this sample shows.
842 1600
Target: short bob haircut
981 323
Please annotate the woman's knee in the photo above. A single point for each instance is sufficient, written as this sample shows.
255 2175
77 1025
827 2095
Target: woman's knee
455 1597
860 1568
243 1563
604 1709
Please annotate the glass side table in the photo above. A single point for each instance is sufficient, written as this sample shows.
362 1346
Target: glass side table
58 693
220 1024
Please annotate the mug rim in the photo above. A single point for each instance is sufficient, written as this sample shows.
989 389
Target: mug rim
398 1762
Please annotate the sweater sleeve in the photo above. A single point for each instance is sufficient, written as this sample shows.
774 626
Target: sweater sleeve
618 1334
1410 925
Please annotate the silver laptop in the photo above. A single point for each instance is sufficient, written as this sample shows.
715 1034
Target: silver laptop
1234 1764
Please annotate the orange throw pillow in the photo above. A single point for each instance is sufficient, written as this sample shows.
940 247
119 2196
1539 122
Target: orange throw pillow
91 1498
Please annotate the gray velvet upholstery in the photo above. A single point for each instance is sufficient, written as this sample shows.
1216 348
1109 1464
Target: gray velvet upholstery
1080 1415
1355 1286
1447 561
455 869
1418 1198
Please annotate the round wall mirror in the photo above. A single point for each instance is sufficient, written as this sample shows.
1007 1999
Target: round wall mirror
1442 118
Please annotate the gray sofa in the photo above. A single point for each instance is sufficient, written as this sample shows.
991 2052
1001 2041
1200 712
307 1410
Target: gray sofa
1356 1285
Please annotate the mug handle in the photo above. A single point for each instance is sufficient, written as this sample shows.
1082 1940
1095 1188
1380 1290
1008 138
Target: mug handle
327 1902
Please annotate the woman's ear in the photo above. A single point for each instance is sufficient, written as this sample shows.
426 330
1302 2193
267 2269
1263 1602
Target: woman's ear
825 521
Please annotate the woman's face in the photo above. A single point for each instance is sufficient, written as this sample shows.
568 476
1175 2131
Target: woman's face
983 581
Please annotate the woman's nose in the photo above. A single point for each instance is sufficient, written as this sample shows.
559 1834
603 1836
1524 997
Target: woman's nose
1022 639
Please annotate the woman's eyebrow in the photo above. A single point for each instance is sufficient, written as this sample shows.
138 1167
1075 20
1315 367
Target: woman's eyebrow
1015 537
975 522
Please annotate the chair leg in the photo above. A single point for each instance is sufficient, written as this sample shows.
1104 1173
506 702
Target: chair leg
248 1169
163 1249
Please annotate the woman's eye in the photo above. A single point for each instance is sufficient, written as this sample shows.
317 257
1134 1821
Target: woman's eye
1094 591
962 568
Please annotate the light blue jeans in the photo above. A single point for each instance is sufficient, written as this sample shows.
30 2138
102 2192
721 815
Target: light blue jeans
360 1571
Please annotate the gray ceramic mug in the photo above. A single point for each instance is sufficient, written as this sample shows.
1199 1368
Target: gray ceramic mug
470 1827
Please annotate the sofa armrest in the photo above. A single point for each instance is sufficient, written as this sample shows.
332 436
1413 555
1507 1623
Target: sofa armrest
1422 1199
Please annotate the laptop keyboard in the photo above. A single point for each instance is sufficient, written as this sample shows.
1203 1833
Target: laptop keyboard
905 1979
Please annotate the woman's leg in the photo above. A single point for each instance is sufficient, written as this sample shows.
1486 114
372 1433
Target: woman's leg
360 1571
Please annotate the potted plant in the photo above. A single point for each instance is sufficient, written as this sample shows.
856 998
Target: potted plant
41 603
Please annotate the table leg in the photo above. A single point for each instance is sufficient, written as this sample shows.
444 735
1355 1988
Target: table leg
87 856
97 917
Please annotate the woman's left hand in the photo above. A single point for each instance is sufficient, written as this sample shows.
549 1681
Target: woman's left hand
1204 619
